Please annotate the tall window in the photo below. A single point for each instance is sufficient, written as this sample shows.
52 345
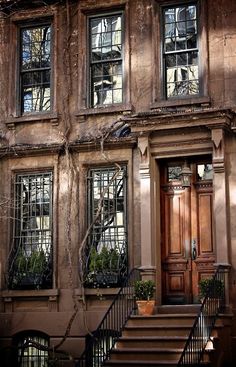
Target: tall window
107 245
32 350
106 53
31 258
35 68
180 51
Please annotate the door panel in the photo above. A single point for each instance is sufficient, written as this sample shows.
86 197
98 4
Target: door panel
204 222
186 233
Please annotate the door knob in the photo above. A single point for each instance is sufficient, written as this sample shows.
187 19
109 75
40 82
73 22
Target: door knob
194 249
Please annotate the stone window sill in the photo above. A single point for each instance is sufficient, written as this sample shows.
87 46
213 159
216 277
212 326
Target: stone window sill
32 293
97 292
125 109
181 102
47 117
47 297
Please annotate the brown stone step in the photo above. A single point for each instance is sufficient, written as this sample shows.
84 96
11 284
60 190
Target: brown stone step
157 330
152 341
138 363
180 309
149 363
154 354
162 319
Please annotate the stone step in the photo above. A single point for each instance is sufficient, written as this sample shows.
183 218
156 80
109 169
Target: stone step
156 330
138 363
163 319
179 309
151 341
158 340
145 354
149 363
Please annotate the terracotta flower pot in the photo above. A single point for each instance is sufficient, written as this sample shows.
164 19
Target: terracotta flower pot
145 307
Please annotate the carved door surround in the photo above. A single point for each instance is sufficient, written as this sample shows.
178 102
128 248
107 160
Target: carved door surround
151 151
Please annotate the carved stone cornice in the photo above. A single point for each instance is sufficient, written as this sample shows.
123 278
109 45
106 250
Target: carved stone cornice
21 150
154 121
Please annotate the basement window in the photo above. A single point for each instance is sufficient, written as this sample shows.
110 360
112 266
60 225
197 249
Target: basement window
32 350
35 68
106 60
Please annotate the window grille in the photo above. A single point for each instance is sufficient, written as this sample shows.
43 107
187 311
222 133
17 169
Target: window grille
35 68
180 50
106 53
32 252
31 356
107 245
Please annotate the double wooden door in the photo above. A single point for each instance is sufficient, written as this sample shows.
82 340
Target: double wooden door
187 243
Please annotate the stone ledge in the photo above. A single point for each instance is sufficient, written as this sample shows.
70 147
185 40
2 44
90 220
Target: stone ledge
38 117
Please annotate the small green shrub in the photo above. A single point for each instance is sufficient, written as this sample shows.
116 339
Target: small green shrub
215 287
35 263
144 289
106 260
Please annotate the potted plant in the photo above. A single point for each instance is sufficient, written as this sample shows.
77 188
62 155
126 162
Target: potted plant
29 270
213 287
103 267
144 292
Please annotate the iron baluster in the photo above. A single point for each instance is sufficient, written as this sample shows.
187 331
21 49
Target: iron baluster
110 328
213 303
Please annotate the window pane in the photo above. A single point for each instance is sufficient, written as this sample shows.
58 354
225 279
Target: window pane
170 44
106 77
204 172
191 12
170 60
180 43
117 95
174 173
35 68
191 27
181 69
106 60
181 59
36 99
170 15
181 29
192 42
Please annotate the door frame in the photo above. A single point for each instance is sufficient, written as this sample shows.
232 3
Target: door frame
207 267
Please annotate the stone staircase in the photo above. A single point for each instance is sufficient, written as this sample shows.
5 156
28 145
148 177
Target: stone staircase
158 340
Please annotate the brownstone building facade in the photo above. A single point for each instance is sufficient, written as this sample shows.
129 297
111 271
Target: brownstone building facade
117 141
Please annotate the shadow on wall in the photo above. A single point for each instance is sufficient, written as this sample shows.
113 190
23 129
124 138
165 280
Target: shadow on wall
8 357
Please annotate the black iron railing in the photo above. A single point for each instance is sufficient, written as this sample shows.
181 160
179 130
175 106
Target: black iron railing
213 303
110 328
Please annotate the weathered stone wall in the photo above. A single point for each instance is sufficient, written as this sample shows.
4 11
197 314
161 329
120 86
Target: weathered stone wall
39 142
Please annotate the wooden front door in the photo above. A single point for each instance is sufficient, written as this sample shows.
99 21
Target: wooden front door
187 243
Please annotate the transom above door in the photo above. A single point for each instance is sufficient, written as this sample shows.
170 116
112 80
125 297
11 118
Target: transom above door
187 243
